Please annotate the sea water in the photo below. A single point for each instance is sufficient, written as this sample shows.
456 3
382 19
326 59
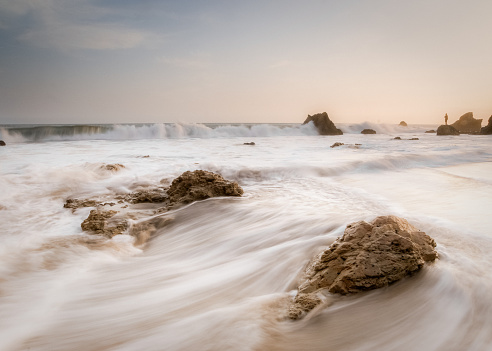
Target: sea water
215 277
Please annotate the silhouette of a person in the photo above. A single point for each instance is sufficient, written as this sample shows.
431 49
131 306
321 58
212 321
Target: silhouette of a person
446 119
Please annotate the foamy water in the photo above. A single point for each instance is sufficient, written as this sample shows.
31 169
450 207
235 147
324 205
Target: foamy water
217 275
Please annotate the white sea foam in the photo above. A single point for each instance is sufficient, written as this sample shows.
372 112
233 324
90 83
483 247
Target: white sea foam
215 276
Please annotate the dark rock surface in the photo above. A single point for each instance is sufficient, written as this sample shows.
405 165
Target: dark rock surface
367 256
337 144
368 131
467 124
2 143
447 130
250 143
396 138
403 124
488 128
323 123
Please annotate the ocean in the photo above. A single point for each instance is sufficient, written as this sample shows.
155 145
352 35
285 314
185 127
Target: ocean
217 275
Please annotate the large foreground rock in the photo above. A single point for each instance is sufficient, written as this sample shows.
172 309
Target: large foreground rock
468 124
488 128
200 185
367 256
323 123
447 130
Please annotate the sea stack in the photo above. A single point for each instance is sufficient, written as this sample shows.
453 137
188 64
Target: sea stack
403 124
447 130
367 256
323 123
488 128
468 124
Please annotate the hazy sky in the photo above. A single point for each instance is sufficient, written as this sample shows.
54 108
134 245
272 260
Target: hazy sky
108 61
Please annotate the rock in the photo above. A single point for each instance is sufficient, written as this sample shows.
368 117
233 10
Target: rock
368 131
323 123
413 139
430 131
99 222
303 303
488 128
337 144
250 143
403 124
113 167
396 138
367 256
200 185
155 195
468 124
78 203
2 143
447 130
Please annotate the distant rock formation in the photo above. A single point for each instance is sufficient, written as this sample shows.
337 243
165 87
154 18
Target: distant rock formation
403 124
397 138
367 256
323 123
368 131
488 128
447 130
413 139
430 131
2 143
250 143
468 124
337 144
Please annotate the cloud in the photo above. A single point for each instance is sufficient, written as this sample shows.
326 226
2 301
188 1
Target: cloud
71 25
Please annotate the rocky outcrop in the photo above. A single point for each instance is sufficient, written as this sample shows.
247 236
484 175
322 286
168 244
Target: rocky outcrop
323 123
2 143
200 185
488 128
154 195
368 131
447 130
337 144
78 203
102 222
468 124
430 131
367 256
403 124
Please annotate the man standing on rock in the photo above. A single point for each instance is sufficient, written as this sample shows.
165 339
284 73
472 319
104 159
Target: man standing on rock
446 119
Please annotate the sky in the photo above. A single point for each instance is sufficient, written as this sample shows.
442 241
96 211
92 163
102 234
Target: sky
123 61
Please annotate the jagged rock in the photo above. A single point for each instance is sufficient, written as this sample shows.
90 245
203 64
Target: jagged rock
303 303
430 131
447 130
101 222
200 185
155 195
468 124
323 123
251 143
367 256
2 143
78 203
403 124
113 167
337 144
397 138
488 128
368 131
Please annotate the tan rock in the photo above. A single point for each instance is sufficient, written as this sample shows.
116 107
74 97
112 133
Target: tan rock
200 185
102 222
367 256
324 124
113 167
468 124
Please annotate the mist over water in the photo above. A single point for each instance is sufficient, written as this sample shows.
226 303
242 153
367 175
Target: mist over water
217 275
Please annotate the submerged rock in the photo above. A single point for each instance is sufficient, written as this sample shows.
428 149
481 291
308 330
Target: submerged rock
250 143
201 185
337 144
468 124
78 203
447 130
367 256
368 131
100 222
2 143
397 138
430 131
488 128
413 139
112 167
323 123
155 195
403 124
